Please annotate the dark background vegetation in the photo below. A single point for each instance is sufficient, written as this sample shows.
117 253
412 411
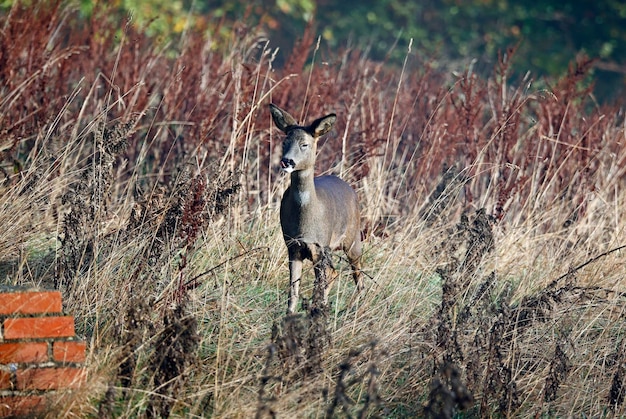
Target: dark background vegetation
447 33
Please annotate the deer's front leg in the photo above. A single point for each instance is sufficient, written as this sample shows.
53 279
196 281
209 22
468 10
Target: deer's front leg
295 273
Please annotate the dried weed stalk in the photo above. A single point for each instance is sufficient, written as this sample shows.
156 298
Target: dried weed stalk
499 385
441 199
87 201
447 393
560 367
366 377
465 248
174 352
134 329
618 385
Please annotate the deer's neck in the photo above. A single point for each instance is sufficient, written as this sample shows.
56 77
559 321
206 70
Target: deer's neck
303 187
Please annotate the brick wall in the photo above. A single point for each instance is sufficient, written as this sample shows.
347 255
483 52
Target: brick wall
39 353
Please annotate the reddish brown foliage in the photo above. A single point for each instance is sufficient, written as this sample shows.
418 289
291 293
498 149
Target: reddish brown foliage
208 104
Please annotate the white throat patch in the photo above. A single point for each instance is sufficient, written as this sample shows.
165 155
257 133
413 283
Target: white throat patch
303 198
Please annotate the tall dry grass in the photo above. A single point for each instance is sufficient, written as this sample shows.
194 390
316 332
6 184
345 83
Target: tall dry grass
141 180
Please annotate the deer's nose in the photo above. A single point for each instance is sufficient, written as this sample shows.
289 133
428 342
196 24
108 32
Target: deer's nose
287 163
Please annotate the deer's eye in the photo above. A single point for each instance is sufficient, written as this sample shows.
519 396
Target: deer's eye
304 145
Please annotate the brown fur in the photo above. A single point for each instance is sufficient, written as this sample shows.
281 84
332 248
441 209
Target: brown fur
316 213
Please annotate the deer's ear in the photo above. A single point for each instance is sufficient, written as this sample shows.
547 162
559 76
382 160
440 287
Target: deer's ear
281 118
322 125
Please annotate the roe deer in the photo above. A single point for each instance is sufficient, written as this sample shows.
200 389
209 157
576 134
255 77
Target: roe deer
316 213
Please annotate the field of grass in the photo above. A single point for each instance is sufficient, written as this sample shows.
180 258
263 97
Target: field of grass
141 180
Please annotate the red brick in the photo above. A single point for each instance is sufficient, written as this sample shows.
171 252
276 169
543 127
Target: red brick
39 327
11 406
5 380
23 352
31 302
69 351
49 378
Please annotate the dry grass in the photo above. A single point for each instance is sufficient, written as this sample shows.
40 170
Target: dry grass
142 183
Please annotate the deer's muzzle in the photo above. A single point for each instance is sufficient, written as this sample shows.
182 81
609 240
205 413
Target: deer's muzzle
288 165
